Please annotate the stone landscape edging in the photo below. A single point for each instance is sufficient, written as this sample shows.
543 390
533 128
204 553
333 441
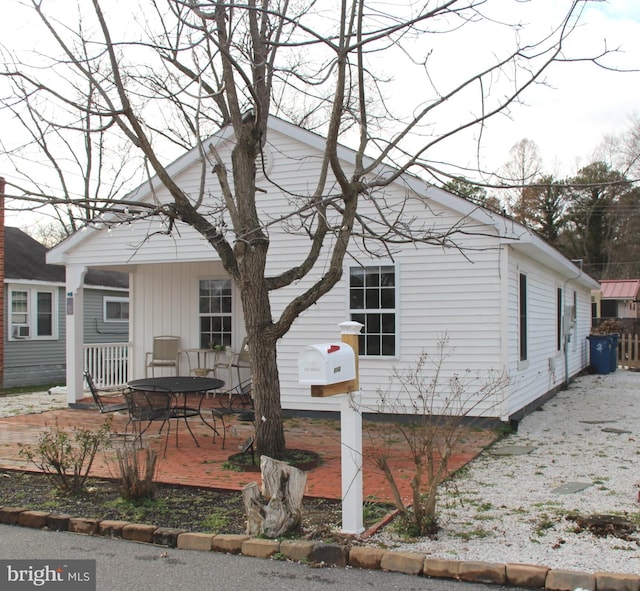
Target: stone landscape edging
321 553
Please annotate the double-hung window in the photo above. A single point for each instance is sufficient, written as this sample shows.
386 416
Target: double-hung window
32 313
372 302
215 299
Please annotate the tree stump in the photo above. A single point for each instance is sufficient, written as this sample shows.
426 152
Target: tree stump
282 490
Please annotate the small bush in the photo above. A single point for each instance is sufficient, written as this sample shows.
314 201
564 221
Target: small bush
66 459
443 410
137 478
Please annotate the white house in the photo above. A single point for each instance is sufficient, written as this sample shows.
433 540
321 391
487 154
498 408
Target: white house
507 301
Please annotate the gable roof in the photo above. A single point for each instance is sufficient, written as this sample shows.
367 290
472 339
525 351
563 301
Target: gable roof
25 259
623 289
511 232
313 140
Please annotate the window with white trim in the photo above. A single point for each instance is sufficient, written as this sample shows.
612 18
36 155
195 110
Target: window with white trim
115 309
32 313
215 312
372 303
522 324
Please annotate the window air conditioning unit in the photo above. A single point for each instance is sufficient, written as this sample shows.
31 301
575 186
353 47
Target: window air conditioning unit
21 332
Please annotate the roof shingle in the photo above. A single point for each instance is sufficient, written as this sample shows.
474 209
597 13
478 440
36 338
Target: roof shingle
25 258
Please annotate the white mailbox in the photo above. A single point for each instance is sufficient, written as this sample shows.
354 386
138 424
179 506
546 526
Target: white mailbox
328 363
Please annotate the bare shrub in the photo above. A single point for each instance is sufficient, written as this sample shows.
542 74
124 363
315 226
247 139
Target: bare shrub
439 413
137 469
67 459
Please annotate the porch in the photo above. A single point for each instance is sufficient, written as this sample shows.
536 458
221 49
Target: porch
110 365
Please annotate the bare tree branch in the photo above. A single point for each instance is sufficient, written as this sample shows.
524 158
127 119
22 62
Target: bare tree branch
179 70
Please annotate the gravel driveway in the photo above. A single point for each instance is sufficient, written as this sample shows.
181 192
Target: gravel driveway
576 456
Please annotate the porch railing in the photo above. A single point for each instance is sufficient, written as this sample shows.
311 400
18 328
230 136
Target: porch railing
629 351
108 363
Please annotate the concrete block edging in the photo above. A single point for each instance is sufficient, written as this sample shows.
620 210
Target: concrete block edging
533 576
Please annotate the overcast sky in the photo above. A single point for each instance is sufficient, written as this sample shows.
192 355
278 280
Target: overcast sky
567 119
582 104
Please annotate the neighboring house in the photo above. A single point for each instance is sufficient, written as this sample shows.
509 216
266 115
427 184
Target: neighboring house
619 298
35 315
507 301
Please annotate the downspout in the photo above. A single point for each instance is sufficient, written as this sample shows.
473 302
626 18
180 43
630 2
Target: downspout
565 334
504 253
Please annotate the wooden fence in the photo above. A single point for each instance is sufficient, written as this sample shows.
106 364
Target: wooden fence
628 351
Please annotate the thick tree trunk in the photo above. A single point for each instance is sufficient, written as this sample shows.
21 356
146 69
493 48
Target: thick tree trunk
270 439
251 249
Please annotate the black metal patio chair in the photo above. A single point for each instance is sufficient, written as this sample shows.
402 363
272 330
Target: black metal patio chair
101 398
239 399
145 408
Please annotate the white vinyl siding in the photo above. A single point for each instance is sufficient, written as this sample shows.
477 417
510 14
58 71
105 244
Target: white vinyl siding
170 306
466 294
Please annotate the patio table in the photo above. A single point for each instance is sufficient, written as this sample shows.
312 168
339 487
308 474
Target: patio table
201 368
180 389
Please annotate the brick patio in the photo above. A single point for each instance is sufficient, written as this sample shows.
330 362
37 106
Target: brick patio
188 464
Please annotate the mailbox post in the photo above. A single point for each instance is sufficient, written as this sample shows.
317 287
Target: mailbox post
351 442
330 369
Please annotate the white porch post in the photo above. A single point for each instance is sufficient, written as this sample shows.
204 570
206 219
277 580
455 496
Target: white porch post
74 302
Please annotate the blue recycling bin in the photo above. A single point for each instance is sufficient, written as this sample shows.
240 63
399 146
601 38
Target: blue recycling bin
613 359
600 353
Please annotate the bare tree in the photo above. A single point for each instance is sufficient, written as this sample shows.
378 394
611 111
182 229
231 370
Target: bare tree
621 153
70 154
47 233
169 72
623 150
519 172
